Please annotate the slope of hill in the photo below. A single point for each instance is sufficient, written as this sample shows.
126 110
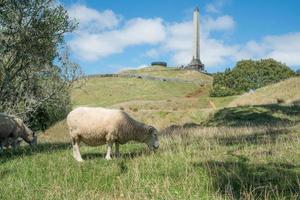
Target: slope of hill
171 72
160 103
287 91
105 91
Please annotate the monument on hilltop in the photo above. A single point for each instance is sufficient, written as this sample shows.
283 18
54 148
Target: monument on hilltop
196 63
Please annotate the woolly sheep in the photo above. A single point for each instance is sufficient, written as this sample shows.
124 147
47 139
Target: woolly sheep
98 126
11 128
10 142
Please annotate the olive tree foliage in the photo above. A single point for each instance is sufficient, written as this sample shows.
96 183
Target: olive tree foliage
35 70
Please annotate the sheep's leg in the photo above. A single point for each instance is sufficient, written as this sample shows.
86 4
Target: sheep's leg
5 143
108 153
76 151
13 143
117 146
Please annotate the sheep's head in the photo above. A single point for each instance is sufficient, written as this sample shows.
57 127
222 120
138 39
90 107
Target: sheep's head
30 137
152 139
33 141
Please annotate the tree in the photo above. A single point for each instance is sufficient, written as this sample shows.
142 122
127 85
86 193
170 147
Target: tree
35 70
249 74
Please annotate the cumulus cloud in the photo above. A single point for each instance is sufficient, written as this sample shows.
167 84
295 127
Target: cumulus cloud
216 6
92 19
152 53
284 48
221 23
92 45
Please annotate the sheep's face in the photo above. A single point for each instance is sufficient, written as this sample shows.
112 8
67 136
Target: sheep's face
33 140
152 140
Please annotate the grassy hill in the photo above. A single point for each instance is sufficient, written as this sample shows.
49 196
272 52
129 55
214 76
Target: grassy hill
207 150
105 91
160 103
287 91
170 72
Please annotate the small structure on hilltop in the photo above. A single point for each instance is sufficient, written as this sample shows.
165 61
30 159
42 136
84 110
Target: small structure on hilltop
160 63
196 63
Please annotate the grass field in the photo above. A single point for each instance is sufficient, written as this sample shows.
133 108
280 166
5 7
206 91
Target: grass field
170 72
156 102
287 91
207 150
108 91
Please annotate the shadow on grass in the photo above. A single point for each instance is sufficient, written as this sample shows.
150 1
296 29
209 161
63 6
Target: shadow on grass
264 137
258 115
130 155
169 131
242 180
9 154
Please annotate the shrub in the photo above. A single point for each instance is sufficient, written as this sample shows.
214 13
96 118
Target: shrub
247 75
221 91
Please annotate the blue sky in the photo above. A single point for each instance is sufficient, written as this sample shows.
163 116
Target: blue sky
119 34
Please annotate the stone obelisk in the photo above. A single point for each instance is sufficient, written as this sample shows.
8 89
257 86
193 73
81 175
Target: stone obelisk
196 64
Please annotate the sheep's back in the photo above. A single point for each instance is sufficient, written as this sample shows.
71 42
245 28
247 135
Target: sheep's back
7 125
94 123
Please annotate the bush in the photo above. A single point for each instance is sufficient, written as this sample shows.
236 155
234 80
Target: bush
221 91
247 75
35 71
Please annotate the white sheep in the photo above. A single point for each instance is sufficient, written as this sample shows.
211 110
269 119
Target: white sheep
11 128
98 126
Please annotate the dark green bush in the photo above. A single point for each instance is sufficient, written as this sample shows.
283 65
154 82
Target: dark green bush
249 74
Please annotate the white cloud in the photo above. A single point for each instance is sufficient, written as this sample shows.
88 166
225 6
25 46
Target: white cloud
152 53
211 8
221 23
139 30
284 48
92 19
91 46
216 6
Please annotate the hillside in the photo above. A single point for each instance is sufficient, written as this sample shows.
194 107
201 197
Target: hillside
170 72
160 103
207 150
287 91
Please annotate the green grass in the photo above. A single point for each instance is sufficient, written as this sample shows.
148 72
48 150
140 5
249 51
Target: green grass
171 72
146 99
258 115
192 163
210 152
221 102
286 91
108 91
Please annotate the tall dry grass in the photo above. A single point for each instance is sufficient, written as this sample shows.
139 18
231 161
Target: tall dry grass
286 91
